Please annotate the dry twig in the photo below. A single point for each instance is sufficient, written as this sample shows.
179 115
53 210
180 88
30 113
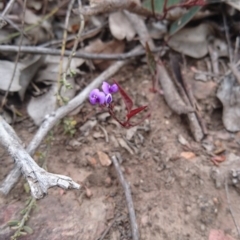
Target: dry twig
38 179
8 8
64 40
127 191
79 54
61 112
171 95
17 57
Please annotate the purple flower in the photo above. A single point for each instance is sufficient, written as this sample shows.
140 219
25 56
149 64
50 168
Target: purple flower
96 97
107 88
108 98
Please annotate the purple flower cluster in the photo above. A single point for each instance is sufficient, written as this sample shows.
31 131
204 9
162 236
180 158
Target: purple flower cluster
103 97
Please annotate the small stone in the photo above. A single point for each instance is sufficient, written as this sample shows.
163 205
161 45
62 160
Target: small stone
203 228
104 159
92 161
88 193
108 182
189 209
187 155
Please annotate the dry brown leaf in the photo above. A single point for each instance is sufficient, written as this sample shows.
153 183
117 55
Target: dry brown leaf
98 46
120 26
6 71
187 155
192 42
104 159
39 107
203 90
229 94
218 235
28 72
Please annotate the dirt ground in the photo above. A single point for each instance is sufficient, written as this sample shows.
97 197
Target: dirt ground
175 192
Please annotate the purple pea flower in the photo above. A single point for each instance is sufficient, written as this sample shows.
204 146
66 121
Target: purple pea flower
108 98
107 88
97 97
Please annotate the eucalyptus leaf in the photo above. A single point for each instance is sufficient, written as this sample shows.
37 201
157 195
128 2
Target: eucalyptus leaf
158 5
182 21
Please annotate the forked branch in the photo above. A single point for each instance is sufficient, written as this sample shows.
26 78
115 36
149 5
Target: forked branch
38 179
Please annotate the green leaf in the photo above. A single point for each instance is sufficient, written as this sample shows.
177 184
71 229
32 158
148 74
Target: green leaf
159 4
12 223
28 229
182 21
22 233
26 187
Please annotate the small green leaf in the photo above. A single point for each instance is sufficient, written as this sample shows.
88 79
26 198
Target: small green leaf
159 4
15 227
12 223
28 229
22 233
26 187
182 21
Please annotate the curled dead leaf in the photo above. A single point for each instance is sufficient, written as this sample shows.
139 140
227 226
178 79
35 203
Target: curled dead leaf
187 155
120 26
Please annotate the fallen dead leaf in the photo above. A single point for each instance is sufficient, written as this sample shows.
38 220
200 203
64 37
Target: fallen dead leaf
229 94
120 26
203 90
218 235
194 41
104 159
187 155
98 46
6 70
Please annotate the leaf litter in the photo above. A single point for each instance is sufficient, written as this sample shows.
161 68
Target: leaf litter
166 162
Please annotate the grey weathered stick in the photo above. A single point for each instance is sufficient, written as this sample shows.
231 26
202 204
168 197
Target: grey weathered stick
8 8
39 180
127 191
79 54
141 29
53 118
171 95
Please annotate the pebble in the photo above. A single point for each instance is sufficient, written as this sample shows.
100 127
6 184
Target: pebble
203 227
189 209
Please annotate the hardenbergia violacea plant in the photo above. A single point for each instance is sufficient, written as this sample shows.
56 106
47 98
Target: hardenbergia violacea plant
104 99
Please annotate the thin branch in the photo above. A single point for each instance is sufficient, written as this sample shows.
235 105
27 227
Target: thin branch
226 29
141 29
79 54
8 8
28 28
61 112
230 208
171 94
82 23
70 6
24 219
107 229
127 191
38 179
17 57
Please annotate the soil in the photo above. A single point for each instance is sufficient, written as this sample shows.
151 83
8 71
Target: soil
174 191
